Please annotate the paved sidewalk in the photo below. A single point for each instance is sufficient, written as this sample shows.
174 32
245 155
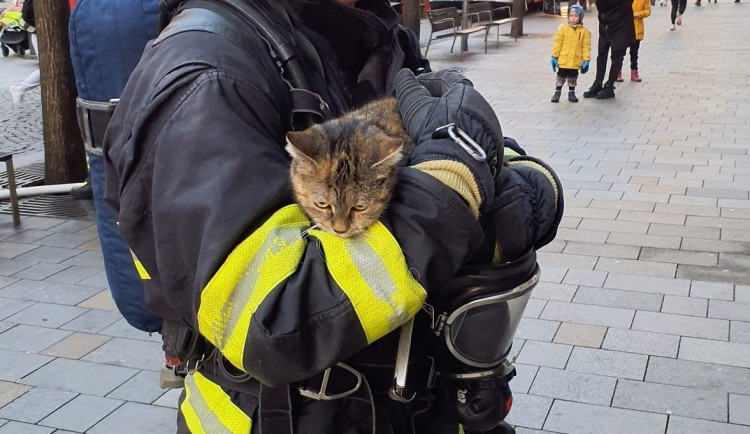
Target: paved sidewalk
641 324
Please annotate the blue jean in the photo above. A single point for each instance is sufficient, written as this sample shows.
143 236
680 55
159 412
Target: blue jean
124 282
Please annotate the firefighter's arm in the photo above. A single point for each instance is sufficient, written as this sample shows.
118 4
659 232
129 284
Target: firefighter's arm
282 302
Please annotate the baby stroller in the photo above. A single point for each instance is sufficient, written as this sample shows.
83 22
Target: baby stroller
13 36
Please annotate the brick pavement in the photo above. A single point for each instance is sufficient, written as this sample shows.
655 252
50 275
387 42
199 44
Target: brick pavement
641 323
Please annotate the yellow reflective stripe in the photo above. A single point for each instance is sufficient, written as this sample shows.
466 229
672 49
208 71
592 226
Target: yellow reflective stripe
211 409
142 273
250 272
192 420
372 272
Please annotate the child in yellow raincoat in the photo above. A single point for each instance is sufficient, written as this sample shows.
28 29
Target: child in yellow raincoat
571 52
641 10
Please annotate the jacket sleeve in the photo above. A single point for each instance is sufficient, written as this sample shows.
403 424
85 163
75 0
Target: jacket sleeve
646 9
557 45
586 44
237 259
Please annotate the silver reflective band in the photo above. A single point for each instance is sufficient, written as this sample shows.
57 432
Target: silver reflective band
398 391
321 394
465 141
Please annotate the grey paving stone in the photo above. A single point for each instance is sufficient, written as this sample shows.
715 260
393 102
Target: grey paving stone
15 365
144 388
5 281
3 422
573 386
739 332
72 275
576 418
544 354
660 398
41 223
5 326
722 291
640 283
11 250
582 235
171 399
81 413
739 409
714 222
137 418
742 293
652 217
605 250
98 280
681 325
93 321
580 335
9 306
568 261
534 308
10 391
608 363
72 226
14 427
627 266
734 261
684 231
554 291
639 342
76 345
35 404
640 240
80 376
122 329
685 305
87 259
739 311
30 338
47 315
53 255
618 298
40 271
698 375
678 256
531 431
713 274
525 375
614 226
27 236
724 353
129 353
515 349
585 278
719 246
684 425
529 410
622 205
48 292
65 240
537 329
8 267
587 314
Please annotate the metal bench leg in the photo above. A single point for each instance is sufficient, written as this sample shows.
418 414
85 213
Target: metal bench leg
12 190
487 33
429 41
454 41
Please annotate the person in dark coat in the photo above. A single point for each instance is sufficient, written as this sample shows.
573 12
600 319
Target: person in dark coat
616 33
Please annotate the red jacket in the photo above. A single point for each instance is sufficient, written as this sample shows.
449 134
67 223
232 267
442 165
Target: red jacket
72 3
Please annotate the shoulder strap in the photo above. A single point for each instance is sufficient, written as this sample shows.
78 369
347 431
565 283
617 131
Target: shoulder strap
308 107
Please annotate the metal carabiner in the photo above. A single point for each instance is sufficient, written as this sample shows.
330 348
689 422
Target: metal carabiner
464 141
320 395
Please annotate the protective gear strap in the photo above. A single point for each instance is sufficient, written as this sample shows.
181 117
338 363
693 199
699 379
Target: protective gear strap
275 410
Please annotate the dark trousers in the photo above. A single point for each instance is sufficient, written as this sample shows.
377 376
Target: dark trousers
634 55
678 4
601 61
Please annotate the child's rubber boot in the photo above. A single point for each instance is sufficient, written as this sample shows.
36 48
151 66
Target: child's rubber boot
619 77
607 92
593 90
572 96
634 76
556 97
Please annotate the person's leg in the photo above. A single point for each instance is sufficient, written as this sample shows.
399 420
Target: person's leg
601 67
675 5
572 82
683 6
634 55
558 85
31 82
617 58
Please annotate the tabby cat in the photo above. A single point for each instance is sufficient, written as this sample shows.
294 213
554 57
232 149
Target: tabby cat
343 171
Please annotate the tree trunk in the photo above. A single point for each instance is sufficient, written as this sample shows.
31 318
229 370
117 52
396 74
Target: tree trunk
64 156
410 10
519 10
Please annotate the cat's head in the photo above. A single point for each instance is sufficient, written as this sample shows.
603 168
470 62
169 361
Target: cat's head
343 174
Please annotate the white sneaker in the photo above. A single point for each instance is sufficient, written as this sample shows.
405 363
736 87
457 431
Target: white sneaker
672 27
16 94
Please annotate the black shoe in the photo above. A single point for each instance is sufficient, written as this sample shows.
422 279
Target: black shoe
593 90
83 192
556 97
572 96
607 92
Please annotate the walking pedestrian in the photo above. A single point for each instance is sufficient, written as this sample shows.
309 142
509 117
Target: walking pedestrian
571 52
616 32
641 10
33 80
678 8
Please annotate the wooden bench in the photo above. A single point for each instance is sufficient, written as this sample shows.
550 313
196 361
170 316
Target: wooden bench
448 20
483 14
8 159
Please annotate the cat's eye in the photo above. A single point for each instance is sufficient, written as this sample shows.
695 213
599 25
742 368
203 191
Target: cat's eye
322 204
360 207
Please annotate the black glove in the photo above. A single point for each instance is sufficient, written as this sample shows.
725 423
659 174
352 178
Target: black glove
479 404
431 102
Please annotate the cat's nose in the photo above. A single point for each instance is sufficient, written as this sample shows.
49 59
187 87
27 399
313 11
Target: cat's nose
339 231
340 227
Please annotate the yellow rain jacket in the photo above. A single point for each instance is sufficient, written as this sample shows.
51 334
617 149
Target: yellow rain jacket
572 46
641 10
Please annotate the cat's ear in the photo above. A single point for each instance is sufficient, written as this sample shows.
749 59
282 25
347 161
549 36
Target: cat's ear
303 145
389 151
